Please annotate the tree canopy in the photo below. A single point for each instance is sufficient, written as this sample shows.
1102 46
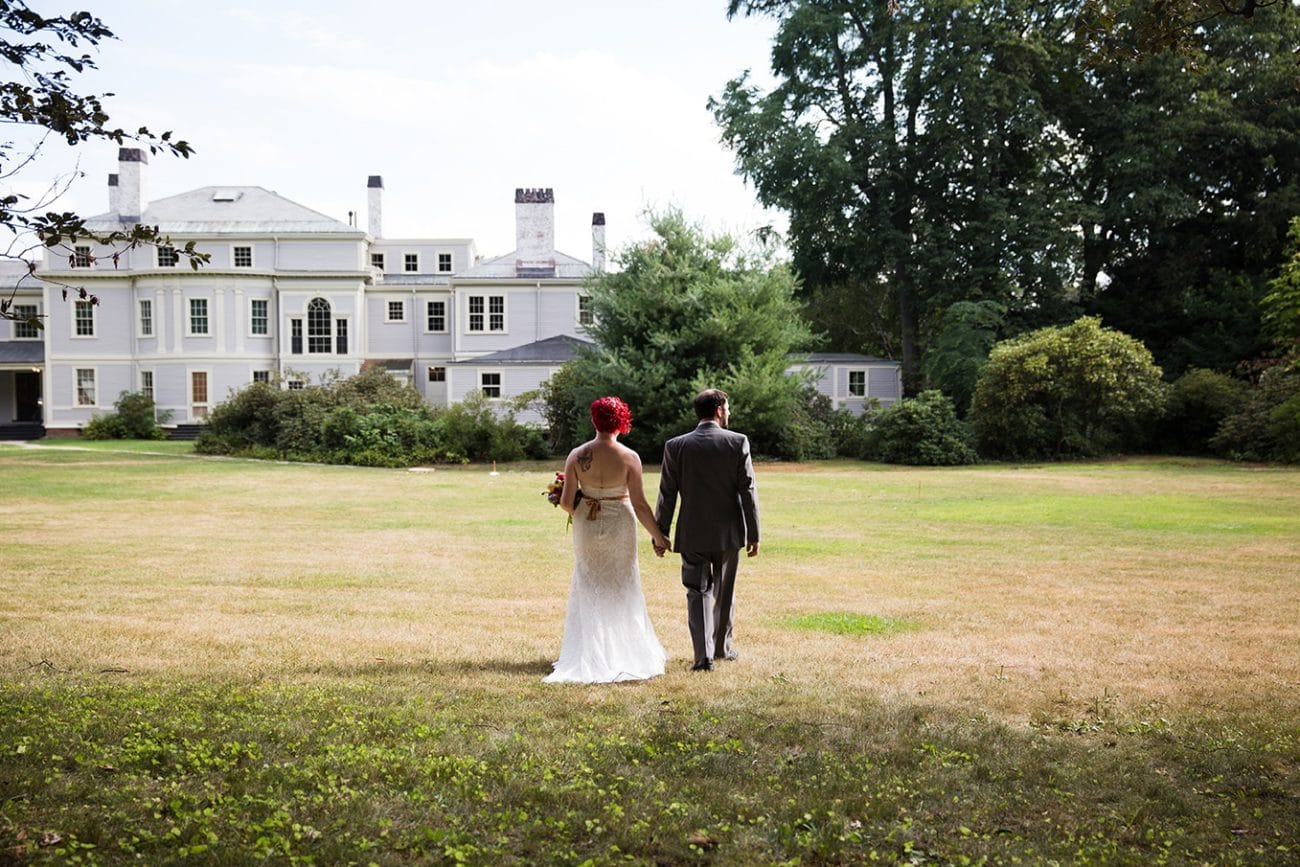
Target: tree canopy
936 152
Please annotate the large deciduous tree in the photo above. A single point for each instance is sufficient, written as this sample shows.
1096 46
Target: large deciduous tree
42 55
932 152
686 311
1188 174
911 148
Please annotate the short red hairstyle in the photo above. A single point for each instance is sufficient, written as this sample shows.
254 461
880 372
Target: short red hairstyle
611 415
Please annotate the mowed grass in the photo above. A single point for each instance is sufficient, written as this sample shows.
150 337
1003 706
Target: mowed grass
216 661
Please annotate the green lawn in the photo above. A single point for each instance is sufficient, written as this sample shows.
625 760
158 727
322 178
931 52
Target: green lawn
218 662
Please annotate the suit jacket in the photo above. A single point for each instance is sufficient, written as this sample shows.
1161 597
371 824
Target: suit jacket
710 468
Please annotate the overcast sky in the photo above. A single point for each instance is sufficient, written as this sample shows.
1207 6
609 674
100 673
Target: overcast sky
454 104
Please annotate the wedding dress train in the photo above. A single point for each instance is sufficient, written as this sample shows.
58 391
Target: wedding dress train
607 631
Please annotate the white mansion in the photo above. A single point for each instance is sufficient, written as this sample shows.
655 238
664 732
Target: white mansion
290 295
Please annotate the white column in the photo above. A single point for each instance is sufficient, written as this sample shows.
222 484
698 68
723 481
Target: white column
241 320
178 320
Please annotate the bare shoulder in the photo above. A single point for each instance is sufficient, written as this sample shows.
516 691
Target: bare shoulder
582 456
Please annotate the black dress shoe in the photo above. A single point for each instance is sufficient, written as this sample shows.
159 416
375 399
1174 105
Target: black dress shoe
706 665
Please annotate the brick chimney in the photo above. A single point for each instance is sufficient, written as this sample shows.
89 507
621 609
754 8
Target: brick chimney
375 205
598 242
534 232
130 201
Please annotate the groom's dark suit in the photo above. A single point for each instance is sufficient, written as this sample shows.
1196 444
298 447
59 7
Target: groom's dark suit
710 468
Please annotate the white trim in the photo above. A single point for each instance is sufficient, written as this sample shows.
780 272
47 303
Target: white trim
446 315
501 385
76 387
487 313
848 381
139 319
33 303
94 320
190 403
90 258
189 316
267 317
577 311
388 309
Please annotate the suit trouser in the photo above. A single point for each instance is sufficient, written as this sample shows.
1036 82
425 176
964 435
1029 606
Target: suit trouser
710 581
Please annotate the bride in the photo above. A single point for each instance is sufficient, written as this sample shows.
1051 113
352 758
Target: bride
607 631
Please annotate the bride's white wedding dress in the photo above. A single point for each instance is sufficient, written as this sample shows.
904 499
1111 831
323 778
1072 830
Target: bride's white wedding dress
607 631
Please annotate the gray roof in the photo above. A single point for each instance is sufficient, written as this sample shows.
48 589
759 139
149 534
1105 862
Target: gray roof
22 352
842 358
552 350
509 267
243 210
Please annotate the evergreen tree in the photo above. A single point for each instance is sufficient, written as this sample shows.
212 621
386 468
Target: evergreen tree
686 311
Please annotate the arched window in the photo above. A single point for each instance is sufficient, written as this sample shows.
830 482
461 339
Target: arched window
318 326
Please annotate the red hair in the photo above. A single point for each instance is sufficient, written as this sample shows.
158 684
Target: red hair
611 415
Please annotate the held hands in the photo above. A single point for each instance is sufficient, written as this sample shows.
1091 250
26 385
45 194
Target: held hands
660 543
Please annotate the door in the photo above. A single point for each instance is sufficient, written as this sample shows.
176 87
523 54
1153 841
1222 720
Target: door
198 395
27 397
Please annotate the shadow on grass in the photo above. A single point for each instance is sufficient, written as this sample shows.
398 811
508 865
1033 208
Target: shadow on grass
438 667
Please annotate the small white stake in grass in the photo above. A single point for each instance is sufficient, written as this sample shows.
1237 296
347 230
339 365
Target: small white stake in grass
494 469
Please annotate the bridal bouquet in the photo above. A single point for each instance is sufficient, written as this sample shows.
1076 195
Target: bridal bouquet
554 489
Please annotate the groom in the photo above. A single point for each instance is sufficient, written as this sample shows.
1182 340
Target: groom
711 470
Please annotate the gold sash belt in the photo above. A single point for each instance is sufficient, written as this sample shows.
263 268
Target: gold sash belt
594 508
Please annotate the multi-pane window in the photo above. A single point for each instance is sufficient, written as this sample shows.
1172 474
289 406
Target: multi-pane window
396 311
444 263
585 316
167 257
263 376
341 336
494 306
318 326
411 263
259 317
198 316
83 315
243 257
437 374
377 261
294 384
81 257
491 385
436 316
295 336
858 383
24 326
146 383
146 317
85 386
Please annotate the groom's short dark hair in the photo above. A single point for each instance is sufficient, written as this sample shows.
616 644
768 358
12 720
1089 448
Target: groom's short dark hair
708 401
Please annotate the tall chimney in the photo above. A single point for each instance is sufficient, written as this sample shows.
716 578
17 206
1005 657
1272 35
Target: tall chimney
598 242
535 227
375 205
131 199
114 195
